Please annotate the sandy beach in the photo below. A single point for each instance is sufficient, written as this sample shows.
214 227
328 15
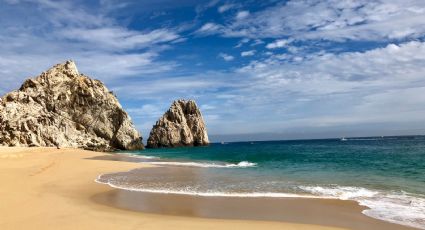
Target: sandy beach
49 188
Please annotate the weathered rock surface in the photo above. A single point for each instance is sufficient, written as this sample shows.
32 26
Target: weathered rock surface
181 125
64 108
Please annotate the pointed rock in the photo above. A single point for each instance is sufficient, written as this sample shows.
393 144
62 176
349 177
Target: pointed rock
181 125
62 107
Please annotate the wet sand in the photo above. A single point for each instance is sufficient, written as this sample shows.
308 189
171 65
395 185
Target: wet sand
49 188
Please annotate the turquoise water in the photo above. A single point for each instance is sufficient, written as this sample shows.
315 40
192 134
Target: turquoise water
386 174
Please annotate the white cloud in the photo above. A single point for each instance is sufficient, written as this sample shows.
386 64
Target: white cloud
146 115
278 44
242 15
12 1
207 107
176 87
209 28
226 7
226 57
242 42
63 13
118 38
257 42
53 32
333 20
343 87
146 110
248 53
395 63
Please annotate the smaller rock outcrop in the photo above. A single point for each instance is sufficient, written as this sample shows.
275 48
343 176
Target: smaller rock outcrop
181 125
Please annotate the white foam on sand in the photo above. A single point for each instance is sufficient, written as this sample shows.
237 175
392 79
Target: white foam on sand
396 207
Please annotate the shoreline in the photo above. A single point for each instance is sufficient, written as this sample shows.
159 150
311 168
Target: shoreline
44 188
311 211
293 208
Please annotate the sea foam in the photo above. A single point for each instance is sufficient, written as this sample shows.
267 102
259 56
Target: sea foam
396 207
139 156
242 164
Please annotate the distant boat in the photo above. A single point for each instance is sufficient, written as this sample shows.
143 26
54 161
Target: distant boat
224 143
343 139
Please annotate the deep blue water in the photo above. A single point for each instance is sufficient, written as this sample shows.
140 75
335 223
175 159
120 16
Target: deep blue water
386 174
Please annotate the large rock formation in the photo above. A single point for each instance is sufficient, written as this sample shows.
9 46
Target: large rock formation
181 125
64 108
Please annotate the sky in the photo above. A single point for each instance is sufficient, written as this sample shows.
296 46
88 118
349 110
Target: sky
258 69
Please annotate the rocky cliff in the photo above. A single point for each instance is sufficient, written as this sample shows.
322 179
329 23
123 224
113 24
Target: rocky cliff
64 108
181 125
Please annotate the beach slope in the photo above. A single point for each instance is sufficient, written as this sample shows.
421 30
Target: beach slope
49 188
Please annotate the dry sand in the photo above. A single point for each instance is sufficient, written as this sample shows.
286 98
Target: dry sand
48 188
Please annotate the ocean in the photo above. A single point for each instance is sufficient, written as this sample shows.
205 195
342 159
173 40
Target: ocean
386 174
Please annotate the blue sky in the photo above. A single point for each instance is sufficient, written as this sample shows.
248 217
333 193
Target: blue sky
258 69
